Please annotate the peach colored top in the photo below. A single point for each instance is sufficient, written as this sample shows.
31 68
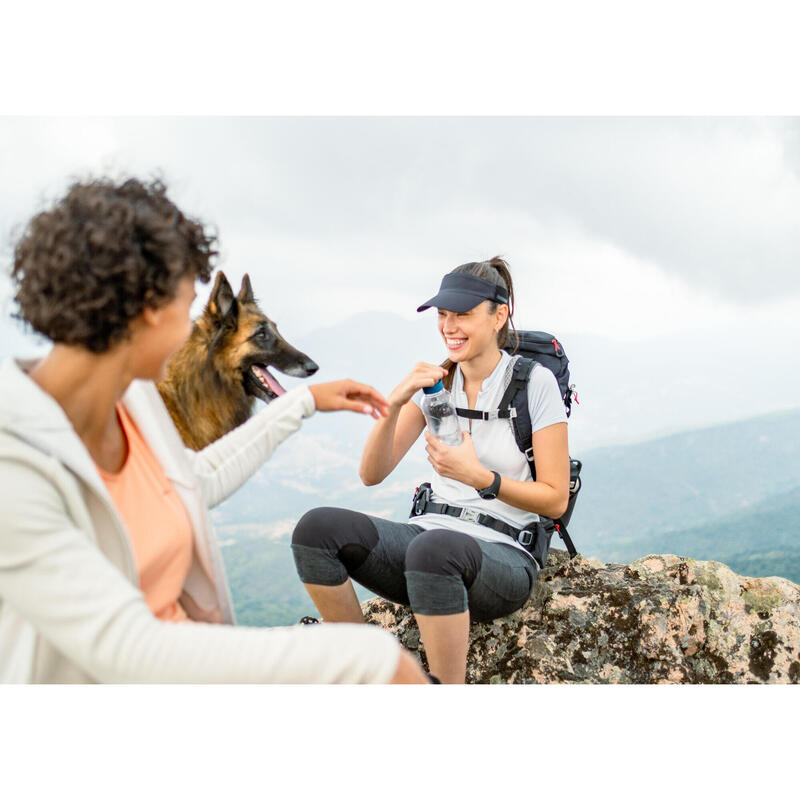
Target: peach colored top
157 521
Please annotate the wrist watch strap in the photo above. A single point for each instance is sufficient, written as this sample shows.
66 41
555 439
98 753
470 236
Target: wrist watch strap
490 492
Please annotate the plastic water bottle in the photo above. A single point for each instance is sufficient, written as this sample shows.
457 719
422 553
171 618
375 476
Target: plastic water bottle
440 414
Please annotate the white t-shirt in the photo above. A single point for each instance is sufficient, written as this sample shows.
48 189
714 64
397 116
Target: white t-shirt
496 449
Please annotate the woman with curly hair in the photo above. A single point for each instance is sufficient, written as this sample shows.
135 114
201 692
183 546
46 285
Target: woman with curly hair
109 570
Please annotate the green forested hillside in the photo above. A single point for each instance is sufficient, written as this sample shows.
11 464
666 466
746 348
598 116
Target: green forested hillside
684 481
761 541
264 583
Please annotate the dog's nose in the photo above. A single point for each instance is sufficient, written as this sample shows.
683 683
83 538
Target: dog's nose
310 366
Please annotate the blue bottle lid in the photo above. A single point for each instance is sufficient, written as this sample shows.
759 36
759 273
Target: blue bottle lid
437 387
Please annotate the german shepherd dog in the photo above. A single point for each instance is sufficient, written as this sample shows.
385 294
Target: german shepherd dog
212 382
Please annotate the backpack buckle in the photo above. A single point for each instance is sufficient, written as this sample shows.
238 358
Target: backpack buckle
421 498
529 454
469 514
525 538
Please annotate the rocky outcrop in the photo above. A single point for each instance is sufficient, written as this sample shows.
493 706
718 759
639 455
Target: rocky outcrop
660 619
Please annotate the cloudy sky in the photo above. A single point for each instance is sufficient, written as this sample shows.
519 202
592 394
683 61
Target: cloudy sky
619 228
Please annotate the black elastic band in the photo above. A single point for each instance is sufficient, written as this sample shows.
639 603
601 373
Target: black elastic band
471 413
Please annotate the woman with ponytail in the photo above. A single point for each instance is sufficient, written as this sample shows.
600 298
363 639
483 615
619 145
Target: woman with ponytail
449 566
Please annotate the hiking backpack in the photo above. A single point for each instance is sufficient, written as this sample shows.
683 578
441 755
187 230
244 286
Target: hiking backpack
543 348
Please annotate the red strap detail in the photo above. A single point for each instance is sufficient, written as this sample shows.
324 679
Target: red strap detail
555 345
558 528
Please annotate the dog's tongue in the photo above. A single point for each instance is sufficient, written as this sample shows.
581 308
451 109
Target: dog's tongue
265 377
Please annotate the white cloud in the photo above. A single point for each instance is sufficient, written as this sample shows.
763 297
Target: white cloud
714 200
633 230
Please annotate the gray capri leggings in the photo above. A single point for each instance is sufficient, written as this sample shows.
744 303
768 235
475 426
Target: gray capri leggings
435 572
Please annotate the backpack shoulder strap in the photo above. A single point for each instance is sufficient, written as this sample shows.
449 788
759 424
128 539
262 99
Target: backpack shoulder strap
515 403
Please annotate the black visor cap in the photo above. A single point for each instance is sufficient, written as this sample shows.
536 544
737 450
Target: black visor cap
461 292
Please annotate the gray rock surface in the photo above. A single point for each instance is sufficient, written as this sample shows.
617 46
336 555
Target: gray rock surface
660 619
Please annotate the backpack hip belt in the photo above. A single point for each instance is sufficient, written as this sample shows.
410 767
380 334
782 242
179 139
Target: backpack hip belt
423 505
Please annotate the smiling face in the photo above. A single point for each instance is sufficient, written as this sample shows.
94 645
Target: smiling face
471 334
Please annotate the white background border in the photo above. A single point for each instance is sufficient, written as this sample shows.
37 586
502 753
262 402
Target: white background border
417 58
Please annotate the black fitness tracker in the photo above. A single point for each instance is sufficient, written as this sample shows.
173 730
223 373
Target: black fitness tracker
490 492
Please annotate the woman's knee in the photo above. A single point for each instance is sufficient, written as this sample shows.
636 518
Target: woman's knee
318 542
313 528
504 584
349 535
442 552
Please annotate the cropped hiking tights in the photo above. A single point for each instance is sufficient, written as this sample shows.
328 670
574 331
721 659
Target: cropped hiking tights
434 571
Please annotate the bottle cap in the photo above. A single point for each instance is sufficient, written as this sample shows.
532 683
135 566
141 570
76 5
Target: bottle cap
437 387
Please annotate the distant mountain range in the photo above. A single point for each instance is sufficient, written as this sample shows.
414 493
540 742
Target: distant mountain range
686 480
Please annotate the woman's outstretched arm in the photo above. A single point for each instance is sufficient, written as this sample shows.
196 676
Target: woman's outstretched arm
225 465
54 576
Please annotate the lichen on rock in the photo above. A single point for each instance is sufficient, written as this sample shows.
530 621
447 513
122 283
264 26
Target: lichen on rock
660 619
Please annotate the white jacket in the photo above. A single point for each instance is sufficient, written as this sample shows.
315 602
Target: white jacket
70 605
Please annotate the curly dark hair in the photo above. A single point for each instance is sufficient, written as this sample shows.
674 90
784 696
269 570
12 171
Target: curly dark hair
85 268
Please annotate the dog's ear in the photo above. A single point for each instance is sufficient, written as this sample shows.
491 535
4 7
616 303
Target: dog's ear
221 300
246 292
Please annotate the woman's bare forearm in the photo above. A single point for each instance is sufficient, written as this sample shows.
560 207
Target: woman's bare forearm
389 441
539 497
378 455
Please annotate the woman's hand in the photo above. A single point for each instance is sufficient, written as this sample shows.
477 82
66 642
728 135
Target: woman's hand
422 375
459 463
349 396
